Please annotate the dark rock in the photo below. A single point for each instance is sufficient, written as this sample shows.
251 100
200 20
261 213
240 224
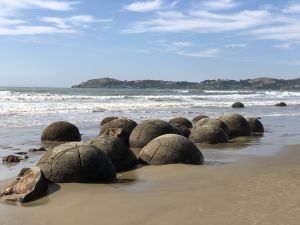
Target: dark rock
41 149
77 162
11 159
197 118
182 130
107 119
118 152
214 122
181 121
255 125
238 105
171 149
127 125
61 131
281 104
208 134
116 132
237 125
146 131
21 153
29 185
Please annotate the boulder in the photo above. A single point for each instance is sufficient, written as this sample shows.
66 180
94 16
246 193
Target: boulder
127 125
281 104
146 131
214 122
29 185
237 125
171 149
182 130
255 125
107 119
238 105
181 121
197 118
77 162
11 159
208 134
61 131
118 152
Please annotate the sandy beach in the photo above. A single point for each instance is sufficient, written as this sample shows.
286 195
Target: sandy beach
253 190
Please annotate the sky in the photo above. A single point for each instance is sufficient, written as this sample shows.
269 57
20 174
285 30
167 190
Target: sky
59 43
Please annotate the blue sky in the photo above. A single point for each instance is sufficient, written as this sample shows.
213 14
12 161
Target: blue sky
64 42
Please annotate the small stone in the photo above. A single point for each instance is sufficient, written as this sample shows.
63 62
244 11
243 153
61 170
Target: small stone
11 159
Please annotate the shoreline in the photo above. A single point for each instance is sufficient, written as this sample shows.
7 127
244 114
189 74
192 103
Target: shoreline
254 190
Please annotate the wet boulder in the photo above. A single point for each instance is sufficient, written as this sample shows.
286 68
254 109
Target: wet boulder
208 134
171 149
146 131
281 104
213 122
255 125
127 125
61 131
238 105
237 125
181 121
77 162
107 119
118 152
182 130
197 118
29 185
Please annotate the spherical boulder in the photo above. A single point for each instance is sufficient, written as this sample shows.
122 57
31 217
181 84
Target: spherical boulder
238 105
107 119
77 162
237 125
61 131
182 130
255 125
171 149
214 122
127 125
181 121
118 152
146 131
197 118
281 104
208 134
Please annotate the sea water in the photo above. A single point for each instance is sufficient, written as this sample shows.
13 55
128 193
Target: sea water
25 112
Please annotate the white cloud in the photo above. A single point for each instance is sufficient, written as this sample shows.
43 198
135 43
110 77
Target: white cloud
33 30
235 46
209 53
69 22
286 45
203 22
144 6
219 4
293 8
182 43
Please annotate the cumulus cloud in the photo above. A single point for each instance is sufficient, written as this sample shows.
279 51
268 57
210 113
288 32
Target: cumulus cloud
144 6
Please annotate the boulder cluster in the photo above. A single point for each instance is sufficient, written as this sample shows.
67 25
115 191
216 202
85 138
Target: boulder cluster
122 144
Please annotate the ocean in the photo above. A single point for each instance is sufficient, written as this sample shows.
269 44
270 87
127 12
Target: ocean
25 112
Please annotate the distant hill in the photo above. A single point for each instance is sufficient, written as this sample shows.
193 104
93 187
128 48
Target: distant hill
257 84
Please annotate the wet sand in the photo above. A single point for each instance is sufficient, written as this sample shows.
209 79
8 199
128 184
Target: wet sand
255 190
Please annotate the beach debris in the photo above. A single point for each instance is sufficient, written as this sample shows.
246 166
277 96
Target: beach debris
208 134
61 131
29 185
77 162
126 124
197 118
255 125
238 105
41 149
148 130
107 119
170 149
118 152
281 104
11 159
181 121
237 125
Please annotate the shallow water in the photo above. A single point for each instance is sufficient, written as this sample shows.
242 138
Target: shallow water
25 112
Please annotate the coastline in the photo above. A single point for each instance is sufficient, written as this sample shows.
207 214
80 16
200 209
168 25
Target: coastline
254 190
